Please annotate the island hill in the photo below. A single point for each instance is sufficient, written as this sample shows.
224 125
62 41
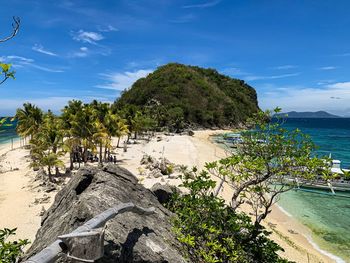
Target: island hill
308 114
190 96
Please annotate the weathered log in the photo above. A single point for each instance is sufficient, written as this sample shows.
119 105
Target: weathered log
50 253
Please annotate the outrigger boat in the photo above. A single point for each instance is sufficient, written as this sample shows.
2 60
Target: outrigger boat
337 187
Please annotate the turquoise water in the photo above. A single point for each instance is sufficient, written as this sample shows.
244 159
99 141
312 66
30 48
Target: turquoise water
328 217
330 135
7 132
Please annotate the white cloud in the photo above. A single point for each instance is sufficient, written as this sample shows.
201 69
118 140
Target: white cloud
252 77
332 97
20 62
108 28
203 5
82 53
39 48
327 68
87 37
234 72
282 67
121 81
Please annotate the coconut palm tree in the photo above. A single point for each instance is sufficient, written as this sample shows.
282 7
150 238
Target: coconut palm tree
101 137
47 159
51 133
29 120
116 125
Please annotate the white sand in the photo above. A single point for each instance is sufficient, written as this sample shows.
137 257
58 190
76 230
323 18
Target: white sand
17 194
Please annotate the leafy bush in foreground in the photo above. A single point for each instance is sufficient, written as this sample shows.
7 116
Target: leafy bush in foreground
9 251
212 231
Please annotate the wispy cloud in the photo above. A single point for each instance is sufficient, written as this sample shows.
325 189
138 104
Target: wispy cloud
47 69
122 80
183 19
81 53
152 63
302 98
283 67
87 37
252 77
20 62
327 68
108 28
203 5
39 48
235 71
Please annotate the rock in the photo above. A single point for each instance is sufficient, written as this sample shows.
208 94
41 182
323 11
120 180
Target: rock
190 133
129 237
43 200
156 174
147 159
42 212
162 192
174 176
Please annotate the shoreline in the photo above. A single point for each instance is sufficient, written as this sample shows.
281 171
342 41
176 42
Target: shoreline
17 188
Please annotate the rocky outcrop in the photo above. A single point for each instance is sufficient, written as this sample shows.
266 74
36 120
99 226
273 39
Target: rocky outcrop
129 237
163 192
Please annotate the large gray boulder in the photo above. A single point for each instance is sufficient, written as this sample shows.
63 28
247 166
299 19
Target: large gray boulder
129 237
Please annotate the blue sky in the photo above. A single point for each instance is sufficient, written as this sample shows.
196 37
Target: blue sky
295 53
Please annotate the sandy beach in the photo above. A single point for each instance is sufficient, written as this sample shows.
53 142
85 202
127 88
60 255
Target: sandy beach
22 198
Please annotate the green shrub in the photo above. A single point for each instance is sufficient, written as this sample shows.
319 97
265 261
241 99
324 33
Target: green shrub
10 250
212 231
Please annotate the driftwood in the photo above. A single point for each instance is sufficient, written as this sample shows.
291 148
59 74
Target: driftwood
51 253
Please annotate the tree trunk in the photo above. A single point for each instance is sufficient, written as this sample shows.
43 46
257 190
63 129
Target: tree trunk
54 150
100 160
49 173
105 154
71 167
118 142
220 186
85 155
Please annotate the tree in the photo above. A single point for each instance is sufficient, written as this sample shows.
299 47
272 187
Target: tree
29 120
211 231
116 125
10 250
269 161
5 69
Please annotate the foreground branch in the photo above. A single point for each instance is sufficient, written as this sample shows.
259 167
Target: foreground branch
15 25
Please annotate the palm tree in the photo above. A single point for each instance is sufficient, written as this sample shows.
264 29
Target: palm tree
46 159
101 137
51 132
29 120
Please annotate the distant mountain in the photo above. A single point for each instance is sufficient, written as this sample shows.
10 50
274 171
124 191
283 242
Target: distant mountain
308 114
197 95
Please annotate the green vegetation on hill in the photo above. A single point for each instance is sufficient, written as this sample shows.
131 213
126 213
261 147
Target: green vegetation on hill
185 95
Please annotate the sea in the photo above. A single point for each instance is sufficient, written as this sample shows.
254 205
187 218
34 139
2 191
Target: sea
327 216
8 131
